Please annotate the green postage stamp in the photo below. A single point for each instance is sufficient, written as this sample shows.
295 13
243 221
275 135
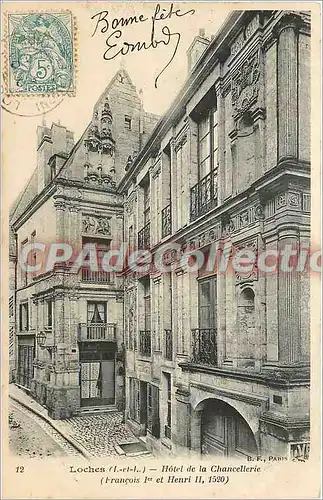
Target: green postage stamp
40 53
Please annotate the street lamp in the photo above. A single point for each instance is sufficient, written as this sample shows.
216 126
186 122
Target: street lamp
41 340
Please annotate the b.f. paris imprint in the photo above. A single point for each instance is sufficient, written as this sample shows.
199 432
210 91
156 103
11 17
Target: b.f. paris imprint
163 36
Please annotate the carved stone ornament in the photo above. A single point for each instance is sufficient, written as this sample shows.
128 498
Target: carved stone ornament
294 199
99 137
95 177
93 224
250 275
60 204
242 38
180 142
245 85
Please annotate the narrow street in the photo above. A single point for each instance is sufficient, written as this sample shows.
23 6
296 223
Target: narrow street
33 434
30 436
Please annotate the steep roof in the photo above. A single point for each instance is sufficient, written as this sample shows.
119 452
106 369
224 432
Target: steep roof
30 191
26 196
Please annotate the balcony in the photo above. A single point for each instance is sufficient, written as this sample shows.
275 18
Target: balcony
145 342
204 346
89 276
168 345
204 195
97 331
166 221
144 238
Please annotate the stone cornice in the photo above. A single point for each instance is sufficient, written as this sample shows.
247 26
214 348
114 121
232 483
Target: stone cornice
263 378
86 187
251 203
286 421
252 399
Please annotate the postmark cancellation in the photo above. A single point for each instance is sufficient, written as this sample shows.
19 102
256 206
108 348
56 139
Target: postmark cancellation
41 53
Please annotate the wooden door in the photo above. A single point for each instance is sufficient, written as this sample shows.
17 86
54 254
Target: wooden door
225 433
97 382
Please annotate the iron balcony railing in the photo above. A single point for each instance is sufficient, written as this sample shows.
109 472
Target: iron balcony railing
204 346
144 238
168 345
145 342
166 221
204 195
89 276
97 331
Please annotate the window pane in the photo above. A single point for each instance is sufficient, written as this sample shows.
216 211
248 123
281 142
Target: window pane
205 167
204 126
215 137
215 158
205 304
204 148
215 116
90 311
50 313
101 311
205 293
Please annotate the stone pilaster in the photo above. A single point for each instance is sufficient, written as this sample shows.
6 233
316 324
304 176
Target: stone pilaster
74 228
173 185
288 302
74 318
59 325
221 142
182 436
287 86
60 207
271 285
221 317
305 308
154 209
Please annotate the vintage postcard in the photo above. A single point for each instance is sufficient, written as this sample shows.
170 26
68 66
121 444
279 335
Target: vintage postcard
161 250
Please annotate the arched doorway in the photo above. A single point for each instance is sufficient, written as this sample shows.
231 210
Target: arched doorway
224 432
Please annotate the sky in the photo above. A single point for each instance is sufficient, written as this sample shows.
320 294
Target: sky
94 72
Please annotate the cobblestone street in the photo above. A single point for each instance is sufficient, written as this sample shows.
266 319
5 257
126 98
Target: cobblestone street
34 433
98 434
29 437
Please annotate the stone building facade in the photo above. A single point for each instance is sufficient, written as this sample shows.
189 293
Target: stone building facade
218 363
68 348
207 362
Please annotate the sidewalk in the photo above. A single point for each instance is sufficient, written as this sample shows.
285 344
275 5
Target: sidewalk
94 435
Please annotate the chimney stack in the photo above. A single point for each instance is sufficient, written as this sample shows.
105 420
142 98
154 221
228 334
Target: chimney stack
196 49
56 141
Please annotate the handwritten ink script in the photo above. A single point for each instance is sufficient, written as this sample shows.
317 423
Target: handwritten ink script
160 33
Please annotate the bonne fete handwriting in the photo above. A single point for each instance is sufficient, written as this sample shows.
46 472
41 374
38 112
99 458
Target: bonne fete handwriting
117 47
